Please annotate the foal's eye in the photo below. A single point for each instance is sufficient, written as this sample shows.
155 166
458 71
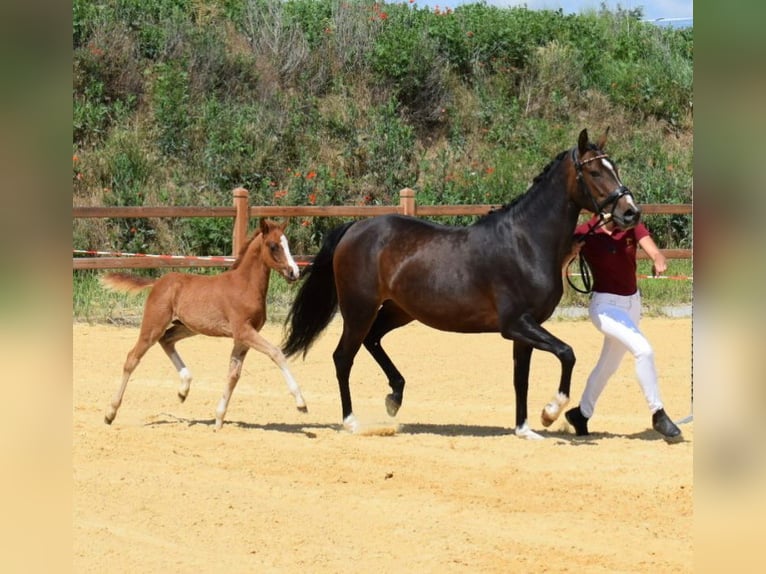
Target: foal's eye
273 247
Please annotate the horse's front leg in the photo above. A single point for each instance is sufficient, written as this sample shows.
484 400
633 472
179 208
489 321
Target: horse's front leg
522 357
555 407
257 341
528 332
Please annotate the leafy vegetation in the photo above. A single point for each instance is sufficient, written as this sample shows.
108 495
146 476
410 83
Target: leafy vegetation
177 102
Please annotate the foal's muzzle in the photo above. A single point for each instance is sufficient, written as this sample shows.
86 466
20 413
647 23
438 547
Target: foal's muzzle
292 273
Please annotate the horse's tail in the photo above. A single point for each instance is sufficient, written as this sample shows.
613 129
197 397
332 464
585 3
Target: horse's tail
126 282
317 298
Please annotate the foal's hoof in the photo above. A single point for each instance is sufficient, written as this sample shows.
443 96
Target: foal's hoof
303 408
107 420
182 397
392 405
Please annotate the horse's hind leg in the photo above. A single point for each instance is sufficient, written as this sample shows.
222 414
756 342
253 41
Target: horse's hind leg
389 318
238 354
255 340
152 329
175 333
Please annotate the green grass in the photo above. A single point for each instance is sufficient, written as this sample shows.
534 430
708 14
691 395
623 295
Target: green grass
92 303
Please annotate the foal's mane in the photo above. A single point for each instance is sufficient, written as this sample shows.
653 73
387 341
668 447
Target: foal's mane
243 250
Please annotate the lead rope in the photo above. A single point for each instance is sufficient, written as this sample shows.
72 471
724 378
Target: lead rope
585 273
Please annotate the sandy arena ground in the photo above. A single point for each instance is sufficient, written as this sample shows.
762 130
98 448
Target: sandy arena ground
452 490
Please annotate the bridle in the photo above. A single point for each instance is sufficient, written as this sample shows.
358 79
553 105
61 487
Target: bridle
598 209
610 199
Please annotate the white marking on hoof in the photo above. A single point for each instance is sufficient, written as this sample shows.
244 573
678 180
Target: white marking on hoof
525 432
351 424
553 409
186 379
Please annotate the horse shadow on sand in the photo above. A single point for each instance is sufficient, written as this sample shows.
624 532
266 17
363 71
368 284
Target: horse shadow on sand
447 430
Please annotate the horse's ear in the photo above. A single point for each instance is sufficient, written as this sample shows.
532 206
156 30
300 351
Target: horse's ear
582 142
264 225
602 140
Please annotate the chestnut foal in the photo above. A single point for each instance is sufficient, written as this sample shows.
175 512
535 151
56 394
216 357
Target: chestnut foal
231 304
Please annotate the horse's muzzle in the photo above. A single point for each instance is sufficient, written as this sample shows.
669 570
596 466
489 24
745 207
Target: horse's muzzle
625 212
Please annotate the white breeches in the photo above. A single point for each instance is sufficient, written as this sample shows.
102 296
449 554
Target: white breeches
617 317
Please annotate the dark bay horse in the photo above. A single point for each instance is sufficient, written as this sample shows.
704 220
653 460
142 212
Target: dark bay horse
231 304
501 274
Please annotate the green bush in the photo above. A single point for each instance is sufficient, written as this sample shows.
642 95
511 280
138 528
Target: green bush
179 101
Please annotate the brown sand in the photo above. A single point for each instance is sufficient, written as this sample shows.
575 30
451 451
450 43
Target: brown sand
452 490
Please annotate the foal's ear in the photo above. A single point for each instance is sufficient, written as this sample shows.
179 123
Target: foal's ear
264 225
602 140
582 142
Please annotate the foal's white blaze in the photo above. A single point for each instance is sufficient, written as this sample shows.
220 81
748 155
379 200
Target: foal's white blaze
290 260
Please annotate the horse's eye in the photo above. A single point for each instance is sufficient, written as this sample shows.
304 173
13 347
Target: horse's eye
594 173
273 247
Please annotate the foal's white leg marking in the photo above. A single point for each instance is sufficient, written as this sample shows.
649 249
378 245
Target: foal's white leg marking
186 379
525 432
290 260
235 371
294 389
259 343
117 399
552 410
351 423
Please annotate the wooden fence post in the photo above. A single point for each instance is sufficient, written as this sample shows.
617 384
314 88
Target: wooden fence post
407 201
241 219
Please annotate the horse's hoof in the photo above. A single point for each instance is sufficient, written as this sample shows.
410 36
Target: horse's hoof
547 418
351 424
181 397
108 420
303 409
392 405
527 433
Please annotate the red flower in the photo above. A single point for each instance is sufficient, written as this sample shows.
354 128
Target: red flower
311 175
280 194
312 198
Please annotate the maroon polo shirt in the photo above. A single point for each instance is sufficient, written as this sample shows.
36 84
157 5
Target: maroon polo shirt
612 258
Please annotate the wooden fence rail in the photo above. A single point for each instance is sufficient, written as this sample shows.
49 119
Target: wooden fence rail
242 211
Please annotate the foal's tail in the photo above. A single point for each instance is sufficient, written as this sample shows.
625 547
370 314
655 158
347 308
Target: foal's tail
126 282
317 299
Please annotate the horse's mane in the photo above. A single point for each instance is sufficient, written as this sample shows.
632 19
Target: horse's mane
243 250
515 201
